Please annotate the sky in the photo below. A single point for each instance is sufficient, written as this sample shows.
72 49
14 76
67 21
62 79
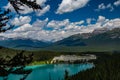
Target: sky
59 19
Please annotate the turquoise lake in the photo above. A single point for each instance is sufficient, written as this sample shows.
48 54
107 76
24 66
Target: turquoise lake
53 71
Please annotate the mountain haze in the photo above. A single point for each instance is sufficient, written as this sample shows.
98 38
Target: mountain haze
23 43
98 39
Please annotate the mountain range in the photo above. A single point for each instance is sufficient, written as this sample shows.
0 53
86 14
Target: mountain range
23 43
102 38
97 37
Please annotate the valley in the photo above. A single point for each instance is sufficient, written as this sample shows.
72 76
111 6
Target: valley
97 41
96 51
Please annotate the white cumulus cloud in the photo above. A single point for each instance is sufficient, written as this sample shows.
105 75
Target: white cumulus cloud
18 21
89 20
26 9
102 6
58 24
38 30
71 5
117 3
43 11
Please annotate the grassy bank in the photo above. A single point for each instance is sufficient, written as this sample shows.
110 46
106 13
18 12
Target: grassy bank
39 62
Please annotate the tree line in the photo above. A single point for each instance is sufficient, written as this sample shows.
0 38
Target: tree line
19 61
107 67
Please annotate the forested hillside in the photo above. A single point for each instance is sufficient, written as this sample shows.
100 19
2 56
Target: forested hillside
107 67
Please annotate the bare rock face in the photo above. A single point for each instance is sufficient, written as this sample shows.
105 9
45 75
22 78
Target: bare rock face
100 30
95 32
102 36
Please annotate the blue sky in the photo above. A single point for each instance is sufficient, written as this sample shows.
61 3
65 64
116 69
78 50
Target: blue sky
83 13
62 18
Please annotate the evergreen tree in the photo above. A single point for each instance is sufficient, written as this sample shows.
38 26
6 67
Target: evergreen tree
30 3
66 75
19 60
15 65
4 18
4 14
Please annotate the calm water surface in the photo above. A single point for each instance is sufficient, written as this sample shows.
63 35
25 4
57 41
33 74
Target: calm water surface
53 71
